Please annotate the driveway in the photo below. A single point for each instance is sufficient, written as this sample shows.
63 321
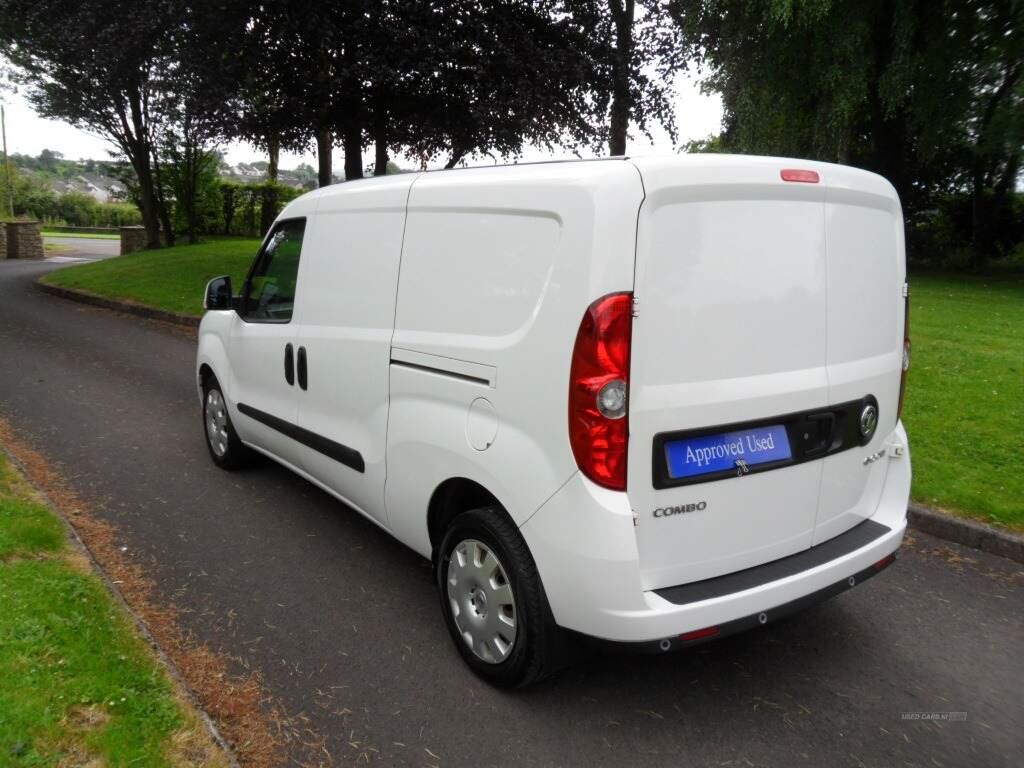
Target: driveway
81 248
345 626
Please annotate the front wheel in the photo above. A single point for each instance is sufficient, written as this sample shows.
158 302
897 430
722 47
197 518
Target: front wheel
226 449
492 599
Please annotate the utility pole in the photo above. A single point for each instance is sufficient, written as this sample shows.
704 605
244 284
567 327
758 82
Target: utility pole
7 163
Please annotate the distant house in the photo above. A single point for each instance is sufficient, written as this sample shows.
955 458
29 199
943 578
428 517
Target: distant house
103 189
245 173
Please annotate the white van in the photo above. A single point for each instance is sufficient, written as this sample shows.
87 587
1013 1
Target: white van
652 401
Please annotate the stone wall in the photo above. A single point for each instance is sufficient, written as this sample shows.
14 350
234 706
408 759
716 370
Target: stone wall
24 240
3 241
132 239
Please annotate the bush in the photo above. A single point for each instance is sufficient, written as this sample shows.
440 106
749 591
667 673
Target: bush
942 236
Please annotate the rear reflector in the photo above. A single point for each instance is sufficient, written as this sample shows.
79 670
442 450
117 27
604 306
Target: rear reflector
698 634
887 560
794 174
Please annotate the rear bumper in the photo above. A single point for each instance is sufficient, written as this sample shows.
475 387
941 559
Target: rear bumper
584 545
716 632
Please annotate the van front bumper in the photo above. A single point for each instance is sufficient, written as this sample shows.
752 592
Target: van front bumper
584 545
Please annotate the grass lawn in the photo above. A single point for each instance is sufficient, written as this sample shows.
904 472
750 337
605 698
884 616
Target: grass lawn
170 278
86 235
77 684
965 402
965 398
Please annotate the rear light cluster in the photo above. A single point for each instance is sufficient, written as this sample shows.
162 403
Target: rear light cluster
599 390
906 350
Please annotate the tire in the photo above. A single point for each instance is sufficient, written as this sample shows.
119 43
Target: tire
226 449
489 555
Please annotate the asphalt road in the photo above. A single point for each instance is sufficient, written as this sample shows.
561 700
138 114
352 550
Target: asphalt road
344 622
81 248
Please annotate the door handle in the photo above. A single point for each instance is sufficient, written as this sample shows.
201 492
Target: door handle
301 368
289 364
822 426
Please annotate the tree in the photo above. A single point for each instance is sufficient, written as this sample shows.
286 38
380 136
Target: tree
636 52
95 65
928 94
48 159
484 77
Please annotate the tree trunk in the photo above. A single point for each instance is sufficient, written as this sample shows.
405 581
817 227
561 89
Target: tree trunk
622 17
137 148
324 145
1008 178
229 207
380 134
162 209
981 240
380 144
273 156
457 155
147 200
352 141
888 127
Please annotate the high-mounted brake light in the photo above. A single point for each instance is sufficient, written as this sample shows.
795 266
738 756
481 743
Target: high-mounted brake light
795 174
599 390
905 366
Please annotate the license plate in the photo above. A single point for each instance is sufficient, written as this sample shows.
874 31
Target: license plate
729 451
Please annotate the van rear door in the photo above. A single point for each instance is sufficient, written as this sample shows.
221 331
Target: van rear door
730 330
866 313
767 313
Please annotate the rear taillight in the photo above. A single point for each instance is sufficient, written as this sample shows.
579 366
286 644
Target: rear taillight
599 390
905 365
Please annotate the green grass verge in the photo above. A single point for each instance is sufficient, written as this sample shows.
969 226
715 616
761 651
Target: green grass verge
964 403
169 278
965 399
77 685
86 235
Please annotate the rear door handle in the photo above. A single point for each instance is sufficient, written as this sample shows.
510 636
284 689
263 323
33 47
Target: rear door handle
301 368
821 428
289 364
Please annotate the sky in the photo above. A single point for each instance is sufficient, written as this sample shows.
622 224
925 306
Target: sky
697 116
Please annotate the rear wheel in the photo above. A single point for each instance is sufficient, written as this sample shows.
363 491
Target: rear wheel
492 599
226 449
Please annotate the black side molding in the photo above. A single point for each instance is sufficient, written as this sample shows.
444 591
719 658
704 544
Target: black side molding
860 535
441 372
340 453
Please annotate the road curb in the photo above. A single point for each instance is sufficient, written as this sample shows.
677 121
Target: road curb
128 307
970 533
134 617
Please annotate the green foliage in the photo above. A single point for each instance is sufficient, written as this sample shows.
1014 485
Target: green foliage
76 682
929 95
709 144
242 205
169 278
35 198
941 235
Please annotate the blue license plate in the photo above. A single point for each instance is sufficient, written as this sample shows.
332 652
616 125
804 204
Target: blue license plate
733 451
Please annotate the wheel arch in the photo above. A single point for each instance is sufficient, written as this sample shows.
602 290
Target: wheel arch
450 499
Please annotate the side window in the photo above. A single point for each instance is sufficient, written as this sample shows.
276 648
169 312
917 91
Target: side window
270 289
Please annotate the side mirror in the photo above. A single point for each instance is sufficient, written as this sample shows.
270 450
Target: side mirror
218 294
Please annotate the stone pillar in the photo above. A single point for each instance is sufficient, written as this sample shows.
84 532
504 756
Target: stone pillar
3 241
24 240
132 239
